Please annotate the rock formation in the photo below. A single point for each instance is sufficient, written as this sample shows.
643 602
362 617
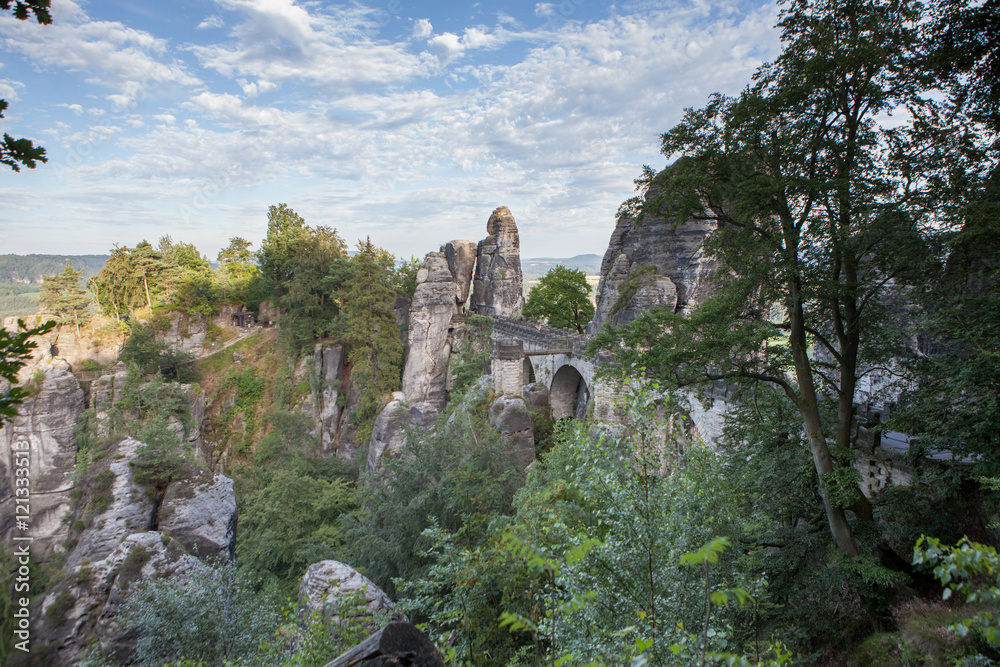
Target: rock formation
498 286
328 367
442 288
509 415
82 606
341 593
200 513
653 261
46 422
390 430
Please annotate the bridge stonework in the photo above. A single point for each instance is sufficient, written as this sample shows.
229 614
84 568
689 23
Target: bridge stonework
557 360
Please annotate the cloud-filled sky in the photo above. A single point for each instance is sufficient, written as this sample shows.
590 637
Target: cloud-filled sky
405 121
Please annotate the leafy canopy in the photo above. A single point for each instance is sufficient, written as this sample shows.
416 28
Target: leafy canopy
562 299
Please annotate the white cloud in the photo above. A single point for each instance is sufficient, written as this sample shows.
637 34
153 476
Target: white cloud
8 89
422 142
75 108
449 46
422 29
129 61
210 23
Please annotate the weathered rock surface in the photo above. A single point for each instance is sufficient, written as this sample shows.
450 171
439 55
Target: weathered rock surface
328 363
509 415
83 605
45 422
130 510
341 593
498 283
653 261
107 389
391 426
461 256
442 282
200 513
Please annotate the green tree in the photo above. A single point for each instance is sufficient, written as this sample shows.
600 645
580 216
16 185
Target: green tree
276 256
63 296
15 350
213 614
309 296
237 267
118 285
562 299
371 334
822 209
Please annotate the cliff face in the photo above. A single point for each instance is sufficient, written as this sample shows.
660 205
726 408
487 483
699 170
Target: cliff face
653 261
442 287
44 428
498 284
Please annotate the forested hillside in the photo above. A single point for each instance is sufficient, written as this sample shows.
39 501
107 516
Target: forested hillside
779 444
21 278
25 269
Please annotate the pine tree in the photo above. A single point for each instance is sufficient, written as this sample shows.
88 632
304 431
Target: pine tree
376 351
63 296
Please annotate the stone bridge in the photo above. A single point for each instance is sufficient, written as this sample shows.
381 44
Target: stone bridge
535 354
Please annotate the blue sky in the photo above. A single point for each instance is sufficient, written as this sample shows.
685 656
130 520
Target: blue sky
405 121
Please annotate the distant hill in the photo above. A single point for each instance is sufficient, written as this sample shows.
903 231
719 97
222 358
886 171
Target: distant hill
534 268
27 269
21 278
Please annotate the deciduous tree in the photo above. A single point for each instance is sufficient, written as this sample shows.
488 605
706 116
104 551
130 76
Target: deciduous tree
562 299
821 210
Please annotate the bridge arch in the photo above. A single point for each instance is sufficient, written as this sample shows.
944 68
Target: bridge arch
569 393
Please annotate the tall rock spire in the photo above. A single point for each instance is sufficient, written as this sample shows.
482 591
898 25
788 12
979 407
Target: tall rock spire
498 285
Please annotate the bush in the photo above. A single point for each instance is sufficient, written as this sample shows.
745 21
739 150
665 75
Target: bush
211 615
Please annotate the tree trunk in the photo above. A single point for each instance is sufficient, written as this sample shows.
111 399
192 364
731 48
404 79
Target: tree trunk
809 408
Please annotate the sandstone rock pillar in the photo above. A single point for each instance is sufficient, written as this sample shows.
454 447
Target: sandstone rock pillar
498 284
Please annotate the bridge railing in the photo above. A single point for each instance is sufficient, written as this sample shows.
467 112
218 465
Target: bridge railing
540 338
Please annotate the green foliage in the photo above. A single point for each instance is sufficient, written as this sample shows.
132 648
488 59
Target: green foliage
562 299
458 475
63 296
152 355
15 350
17 300
823 208
237 268
588 566
973 570
404 276
472 355
375 351
291 505
214 615
159 459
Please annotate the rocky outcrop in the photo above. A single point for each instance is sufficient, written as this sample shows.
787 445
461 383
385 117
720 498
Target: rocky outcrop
498 284
653 261
130 509
44 428
342 594
442 288
392 425
82 607
328 366
200 513
107 389
510 417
